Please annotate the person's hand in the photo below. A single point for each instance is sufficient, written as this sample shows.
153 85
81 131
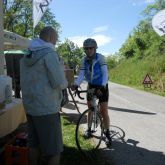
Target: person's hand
74 87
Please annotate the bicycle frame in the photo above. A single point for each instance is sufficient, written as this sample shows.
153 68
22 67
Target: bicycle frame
94 110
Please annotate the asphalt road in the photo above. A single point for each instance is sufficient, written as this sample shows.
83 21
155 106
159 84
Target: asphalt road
140 117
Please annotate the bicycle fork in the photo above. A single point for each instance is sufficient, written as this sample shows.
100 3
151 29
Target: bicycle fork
92 116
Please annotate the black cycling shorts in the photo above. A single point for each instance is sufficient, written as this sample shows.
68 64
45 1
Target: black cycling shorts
104 90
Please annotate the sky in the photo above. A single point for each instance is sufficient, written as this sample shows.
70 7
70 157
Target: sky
109 22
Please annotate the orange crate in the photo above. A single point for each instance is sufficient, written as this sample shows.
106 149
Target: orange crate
15 154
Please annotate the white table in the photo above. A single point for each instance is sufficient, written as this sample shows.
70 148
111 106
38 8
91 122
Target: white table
11 117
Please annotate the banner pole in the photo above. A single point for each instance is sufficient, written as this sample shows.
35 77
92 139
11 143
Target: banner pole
2 56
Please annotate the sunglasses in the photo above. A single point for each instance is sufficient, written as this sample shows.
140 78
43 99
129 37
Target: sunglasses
88 48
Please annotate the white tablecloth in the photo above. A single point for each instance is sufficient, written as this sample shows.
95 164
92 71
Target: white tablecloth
11 117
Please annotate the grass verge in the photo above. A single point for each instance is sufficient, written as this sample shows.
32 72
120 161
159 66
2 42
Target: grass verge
71 154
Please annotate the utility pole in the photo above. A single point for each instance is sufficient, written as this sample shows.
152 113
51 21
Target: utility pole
1 40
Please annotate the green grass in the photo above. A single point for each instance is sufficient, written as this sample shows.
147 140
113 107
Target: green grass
71 154
132 72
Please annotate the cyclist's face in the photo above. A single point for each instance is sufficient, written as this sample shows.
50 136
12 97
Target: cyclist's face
90 51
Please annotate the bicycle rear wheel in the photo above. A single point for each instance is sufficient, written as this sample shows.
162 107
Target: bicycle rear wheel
84 144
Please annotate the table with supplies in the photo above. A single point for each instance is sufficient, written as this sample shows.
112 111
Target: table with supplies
11 116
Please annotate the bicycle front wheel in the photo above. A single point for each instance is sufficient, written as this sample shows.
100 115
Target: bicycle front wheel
88 144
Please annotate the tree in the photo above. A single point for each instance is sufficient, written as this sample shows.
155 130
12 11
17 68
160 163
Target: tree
112 61
18 18
128 48
143 40
70 53
152 9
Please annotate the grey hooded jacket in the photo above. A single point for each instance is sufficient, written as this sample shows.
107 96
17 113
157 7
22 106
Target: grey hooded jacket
42 79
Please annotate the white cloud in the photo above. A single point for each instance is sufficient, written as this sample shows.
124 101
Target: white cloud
149 1
105 53
141 2
78 40
100 29
100 39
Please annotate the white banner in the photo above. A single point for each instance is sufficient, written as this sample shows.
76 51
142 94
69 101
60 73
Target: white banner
158 23
39 8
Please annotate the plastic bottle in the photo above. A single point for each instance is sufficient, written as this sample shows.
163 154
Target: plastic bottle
8 94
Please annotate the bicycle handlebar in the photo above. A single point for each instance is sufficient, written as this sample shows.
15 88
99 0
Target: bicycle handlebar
78 92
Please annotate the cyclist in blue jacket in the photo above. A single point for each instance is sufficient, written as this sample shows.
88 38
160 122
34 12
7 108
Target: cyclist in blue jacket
94 70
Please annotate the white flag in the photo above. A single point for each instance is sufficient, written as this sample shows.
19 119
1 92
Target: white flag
39 8
158 23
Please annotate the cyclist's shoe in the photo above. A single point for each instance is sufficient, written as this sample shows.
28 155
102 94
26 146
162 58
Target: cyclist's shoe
87 134
108 140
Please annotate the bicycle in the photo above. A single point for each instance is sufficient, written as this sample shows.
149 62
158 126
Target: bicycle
95 121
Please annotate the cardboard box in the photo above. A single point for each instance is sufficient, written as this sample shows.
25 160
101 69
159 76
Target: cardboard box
69 73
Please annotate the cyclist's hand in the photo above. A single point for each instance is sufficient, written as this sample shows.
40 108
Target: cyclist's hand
74 87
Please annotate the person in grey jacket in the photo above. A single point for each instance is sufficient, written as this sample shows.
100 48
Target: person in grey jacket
42 80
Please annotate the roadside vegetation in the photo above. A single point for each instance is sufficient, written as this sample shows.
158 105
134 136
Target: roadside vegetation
142 53
131 72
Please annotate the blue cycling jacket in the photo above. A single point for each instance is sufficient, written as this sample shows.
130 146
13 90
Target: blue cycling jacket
93 71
